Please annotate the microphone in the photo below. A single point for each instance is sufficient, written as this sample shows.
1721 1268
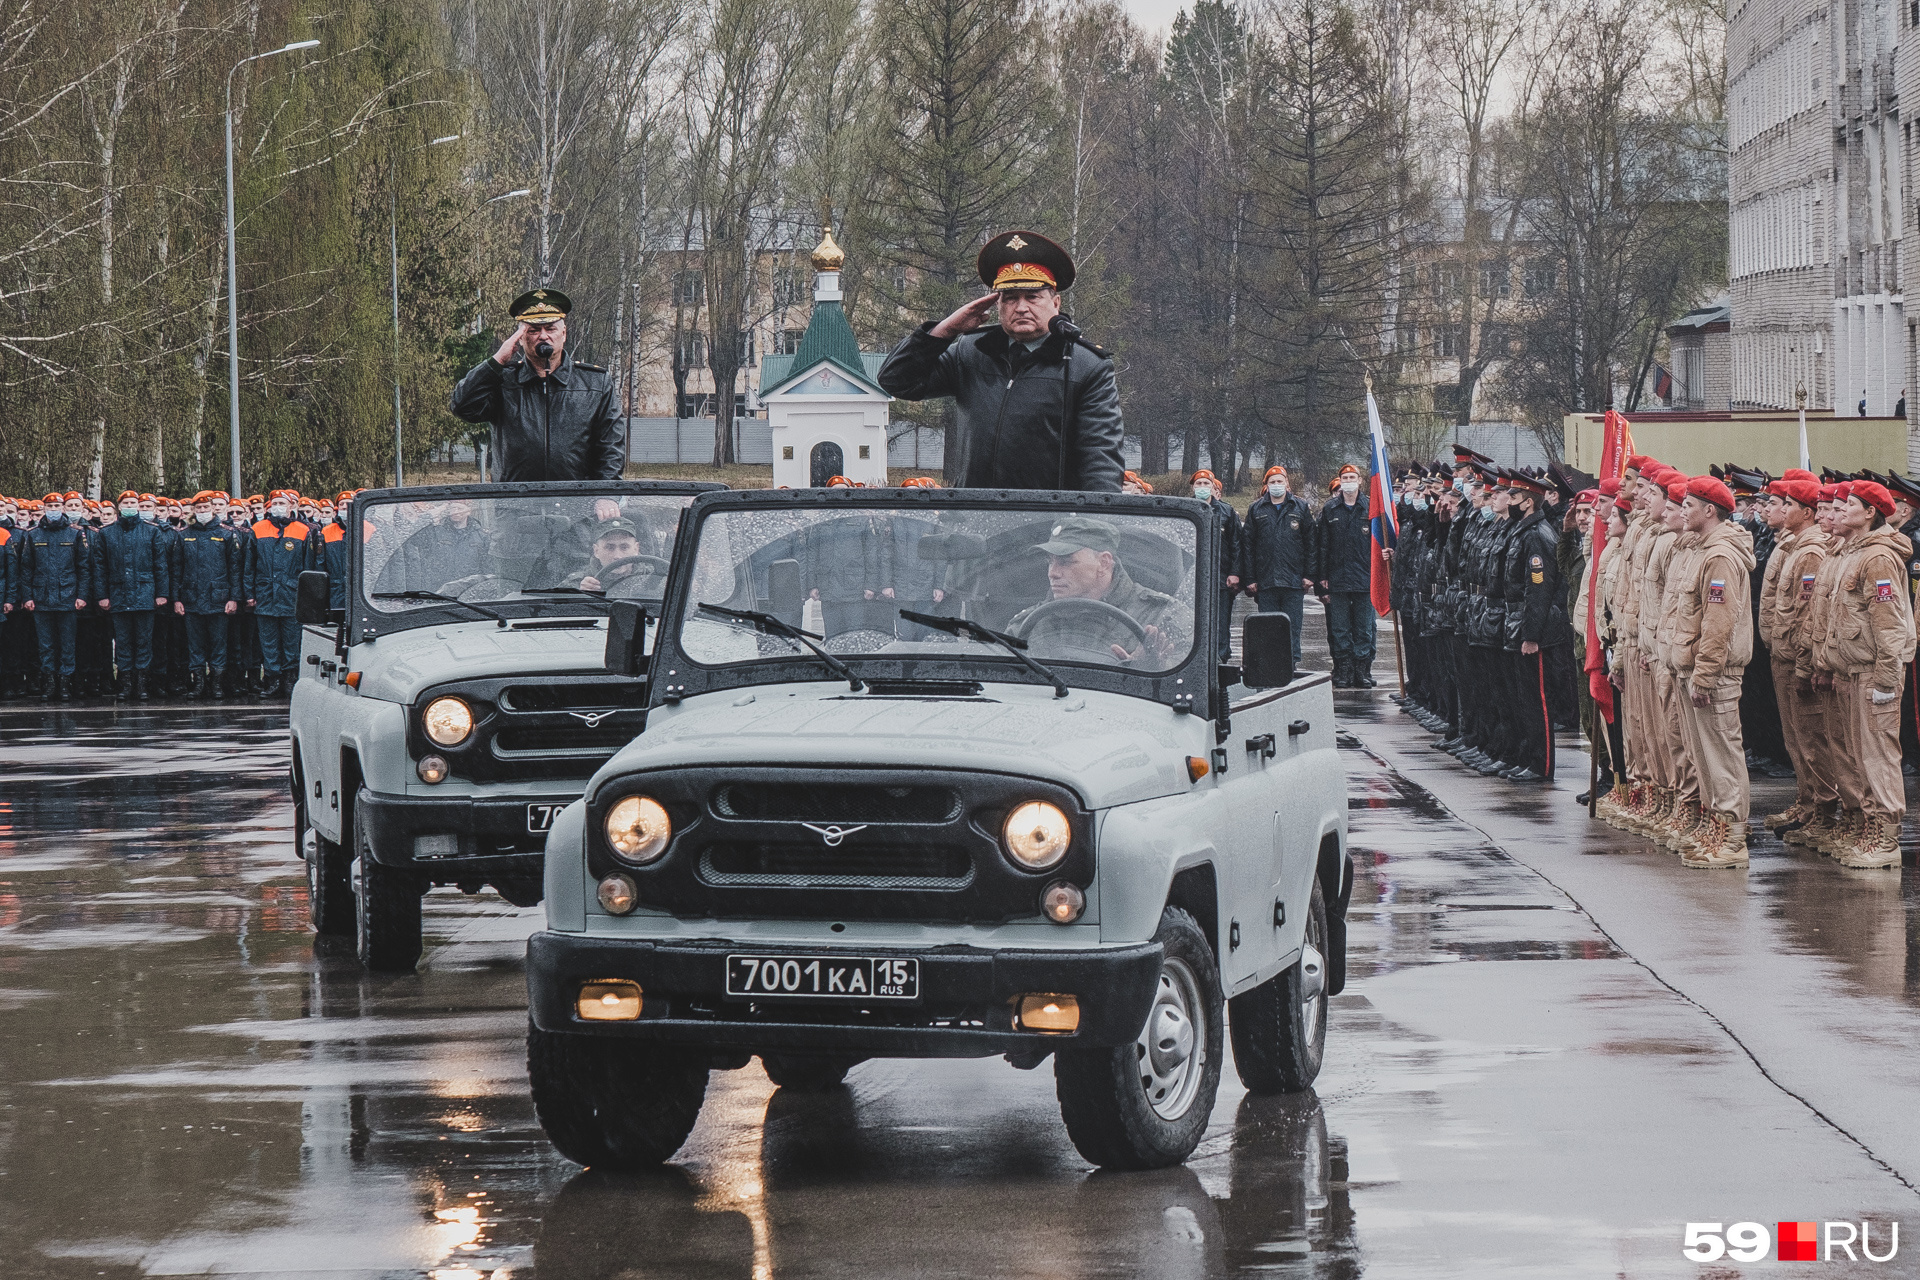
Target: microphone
1072 332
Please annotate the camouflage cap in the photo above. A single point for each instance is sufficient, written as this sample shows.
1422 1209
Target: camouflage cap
1080 533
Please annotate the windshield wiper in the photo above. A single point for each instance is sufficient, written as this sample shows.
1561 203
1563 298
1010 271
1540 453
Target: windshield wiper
1012 644
780 626
563 591
435 595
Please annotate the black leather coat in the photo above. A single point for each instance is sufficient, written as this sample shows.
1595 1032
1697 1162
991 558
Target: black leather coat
1009 403
565 426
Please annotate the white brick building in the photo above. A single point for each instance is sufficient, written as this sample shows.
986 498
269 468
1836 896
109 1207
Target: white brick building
1817 183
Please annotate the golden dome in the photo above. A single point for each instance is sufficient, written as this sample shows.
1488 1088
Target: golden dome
827 255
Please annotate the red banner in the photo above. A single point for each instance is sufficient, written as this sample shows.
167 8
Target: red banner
1615 448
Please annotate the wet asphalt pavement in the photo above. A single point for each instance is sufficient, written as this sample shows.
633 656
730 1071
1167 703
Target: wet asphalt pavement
1558 1046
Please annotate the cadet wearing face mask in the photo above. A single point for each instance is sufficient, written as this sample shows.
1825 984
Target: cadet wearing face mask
276 554
209 593
1226 526
56 576
1279 542
1344 546
131 579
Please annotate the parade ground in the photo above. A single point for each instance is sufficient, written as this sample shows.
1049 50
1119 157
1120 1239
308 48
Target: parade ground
1558 1048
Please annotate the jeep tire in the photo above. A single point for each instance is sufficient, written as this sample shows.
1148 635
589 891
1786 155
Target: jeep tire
614 1103
1145 1104
807 1073
386 907
1280 1027
329 878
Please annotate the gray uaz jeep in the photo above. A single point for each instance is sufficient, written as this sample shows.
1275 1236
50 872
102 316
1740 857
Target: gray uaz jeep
945 774
453 695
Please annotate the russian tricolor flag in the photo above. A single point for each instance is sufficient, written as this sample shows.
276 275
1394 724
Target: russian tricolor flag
1385 521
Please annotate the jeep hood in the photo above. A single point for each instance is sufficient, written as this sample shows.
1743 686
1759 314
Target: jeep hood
396 668
1109 748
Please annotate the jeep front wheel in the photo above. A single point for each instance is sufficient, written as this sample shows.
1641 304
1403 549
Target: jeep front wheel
329 886
386 908
614 1104
1144 1105
1280 1027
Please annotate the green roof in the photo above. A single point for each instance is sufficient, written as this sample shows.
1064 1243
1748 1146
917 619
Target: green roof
829 340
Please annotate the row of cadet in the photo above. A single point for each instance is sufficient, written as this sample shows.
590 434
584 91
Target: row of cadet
1743 623
152 596
1285 549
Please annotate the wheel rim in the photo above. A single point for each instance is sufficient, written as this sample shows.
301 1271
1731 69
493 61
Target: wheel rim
1172 1047
1313 981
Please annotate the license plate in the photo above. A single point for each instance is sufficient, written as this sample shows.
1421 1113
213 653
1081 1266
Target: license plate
540 817
857 978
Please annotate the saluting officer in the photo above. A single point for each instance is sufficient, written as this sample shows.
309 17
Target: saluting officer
553 417
1036 409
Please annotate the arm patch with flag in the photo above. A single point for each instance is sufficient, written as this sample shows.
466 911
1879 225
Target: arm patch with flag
1716 591
1883 591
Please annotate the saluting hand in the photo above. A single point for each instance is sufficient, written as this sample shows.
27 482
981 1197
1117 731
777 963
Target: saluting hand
969 317
511 347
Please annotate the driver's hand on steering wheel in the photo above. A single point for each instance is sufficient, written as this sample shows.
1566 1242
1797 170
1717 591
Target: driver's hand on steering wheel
1158 643
591 584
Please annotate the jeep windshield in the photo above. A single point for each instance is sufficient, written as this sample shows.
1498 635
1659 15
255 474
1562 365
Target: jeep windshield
443 556
1099 586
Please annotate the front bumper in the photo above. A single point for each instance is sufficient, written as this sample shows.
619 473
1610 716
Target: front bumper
965 1008
490 837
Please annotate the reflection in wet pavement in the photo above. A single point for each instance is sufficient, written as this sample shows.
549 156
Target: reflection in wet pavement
189 1087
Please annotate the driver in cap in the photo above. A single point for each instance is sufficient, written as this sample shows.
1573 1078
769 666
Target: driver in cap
1083 563
614 541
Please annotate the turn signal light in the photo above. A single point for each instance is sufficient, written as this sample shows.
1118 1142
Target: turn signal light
1054 1013
351 680
1062 902
432 769
611 1000
1197 768
618 894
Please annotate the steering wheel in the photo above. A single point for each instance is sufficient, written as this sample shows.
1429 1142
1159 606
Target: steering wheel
654 564
1075 617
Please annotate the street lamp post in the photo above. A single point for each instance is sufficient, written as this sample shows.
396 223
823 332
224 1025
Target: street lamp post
233 276
393 247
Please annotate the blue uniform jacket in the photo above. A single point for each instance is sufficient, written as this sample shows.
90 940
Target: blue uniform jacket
1344 545
333 555
56 567
9 553
276 555
131 565
210 567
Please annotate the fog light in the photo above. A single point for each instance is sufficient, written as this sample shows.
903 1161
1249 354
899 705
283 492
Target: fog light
610 1000
1062 903
1053 1013
618 894
432 768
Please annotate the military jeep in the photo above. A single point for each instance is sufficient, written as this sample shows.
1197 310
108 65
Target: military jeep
944 774
460 699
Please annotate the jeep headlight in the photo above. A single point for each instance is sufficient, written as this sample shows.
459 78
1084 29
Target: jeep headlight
638 829
1037 835
448 721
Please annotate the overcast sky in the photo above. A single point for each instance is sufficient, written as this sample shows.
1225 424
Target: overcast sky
1156 14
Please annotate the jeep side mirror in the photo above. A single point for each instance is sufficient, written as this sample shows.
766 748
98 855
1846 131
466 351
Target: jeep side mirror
313 599
627 638
783 591
1266 651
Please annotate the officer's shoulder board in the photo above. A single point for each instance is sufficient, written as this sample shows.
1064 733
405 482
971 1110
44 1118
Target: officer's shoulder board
590 368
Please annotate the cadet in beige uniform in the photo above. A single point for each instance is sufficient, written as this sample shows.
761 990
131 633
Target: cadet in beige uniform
1829 759
1670 681
1647 743
1800 548
1866 640
1709 645
1662 732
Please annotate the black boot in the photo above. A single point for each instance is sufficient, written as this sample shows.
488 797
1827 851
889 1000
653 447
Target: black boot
217 684
194 688
64 688
49 686
123 686
140 686
1362 675
1341 680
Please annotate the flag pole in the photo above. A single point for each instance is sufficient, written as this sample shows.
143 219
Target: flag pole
1806 458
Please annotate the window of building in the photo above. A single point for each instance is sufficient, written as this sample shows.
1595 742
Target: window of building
786 288
787 342
1495 280
1538 278
1445 343
692 288
693 350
